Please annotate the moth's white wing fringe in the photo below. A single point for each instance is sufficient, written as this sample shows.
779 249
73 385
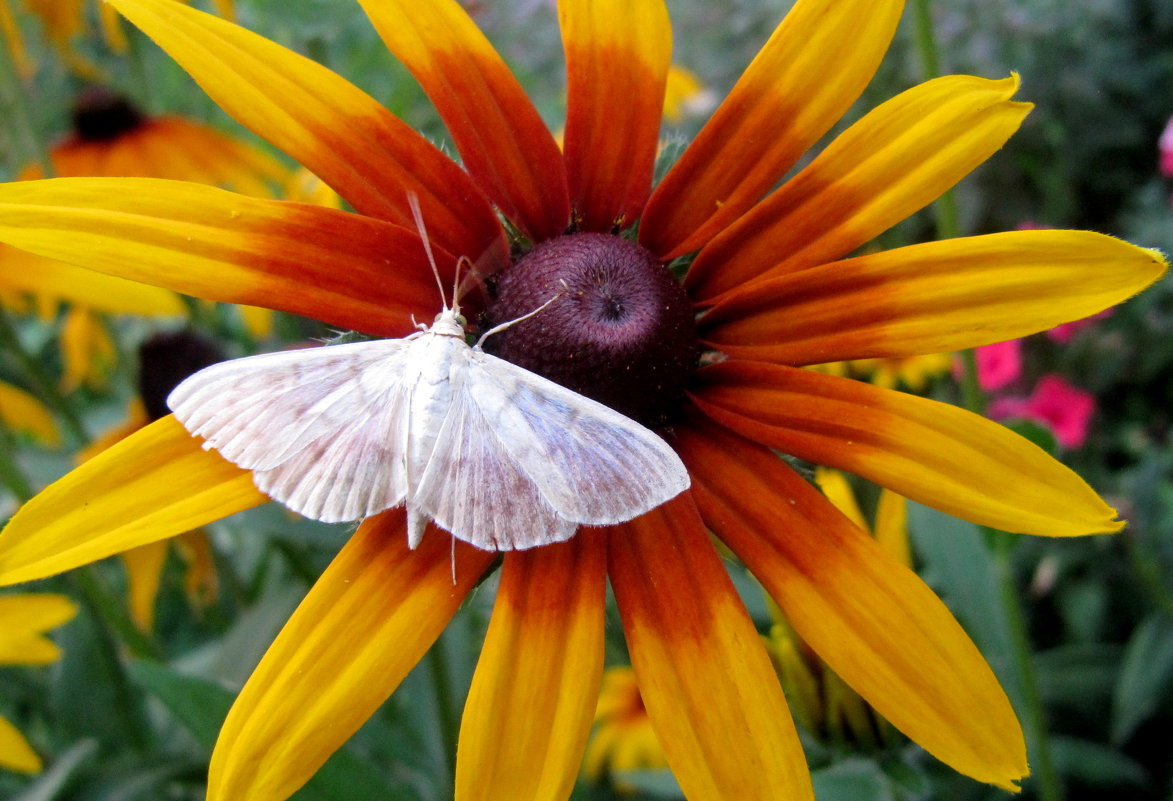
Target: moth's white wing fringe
523 461
323 429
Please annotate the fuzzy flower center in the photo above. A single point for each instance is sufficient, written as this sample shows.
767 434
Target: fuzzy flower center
165 360
621 329
100 115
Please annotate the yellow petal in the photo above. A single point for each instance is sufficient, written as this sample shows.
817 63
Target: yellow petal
154 484
144 570
810 71
533 695
893 162
838 491
930 298
20 411
27 272
34 612
362 627
931 452
870 618
704 675
15 751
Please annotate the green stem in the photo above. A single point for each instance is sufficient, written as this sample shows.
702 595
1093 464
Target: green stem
1050 787
19 118
44 383
108 608
1048 781
446 710
10 472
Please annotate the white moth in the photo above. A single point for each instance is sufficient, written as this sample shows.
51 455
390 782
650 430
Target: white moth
499 456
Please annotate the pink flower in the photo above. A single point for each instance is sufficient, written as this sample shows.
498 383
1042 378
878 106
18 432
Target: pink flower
1165 148
999 364
1064 409
1063 333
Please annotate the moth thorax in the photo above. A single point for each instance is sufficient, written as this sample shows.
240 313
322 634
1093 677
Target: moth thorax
100 115
621 329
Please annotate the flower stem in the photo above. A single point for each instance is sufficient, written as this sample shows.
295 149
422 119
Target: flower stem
45 385
1050 787
10 473
445 709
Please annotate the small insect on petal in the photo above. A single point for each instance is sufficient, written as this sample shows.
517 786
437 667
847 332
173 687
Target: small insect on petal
499 456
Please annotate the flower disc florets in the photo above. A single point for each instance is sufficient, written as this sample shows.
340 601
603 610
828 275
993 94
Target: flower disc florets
100 115
621 329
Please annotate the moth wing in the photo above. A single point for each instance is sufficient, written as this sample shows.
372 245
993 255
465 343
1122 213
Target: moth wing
523 461
323 429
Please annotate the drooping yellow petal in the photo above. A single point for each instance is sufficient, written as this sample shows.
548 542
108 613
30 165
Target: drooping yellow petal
705 678
614 49
931 452
86 349
346 270
893 162
362 627
870 618
930 298
891 526
144 571
20 411
810 71
15 751
502 140
533 695
834 485
154 484
371 157
26 272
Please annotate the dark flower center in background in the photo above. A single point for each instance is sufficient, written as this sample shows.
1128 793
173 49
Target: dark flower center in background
100 115
622 332
165 360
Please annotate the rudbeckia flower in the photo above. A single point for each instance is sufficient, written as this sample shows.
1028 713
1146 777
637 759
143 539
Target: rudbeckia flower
624 738
768 287
24 619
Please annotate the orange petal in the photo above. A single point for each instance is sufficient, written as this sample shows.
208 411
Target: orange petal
706 680
156 483
930 298
502 140
614 49
931 452
362 627
870 618
893 162
372 158
810 71
532 700
349 271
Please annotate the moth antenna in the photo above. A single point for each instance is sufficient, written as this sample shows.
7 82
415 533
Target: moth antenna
456 282
498 328
417 214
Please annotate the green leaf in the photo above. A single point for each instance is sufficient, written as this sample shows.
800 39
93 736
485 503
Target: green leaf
1094 764
49 784
1146 671
852 780
199 705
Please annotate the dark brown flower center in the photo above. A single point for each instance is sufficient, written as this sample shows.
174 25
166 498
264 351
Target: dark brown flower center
621 329
100 115
165 360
